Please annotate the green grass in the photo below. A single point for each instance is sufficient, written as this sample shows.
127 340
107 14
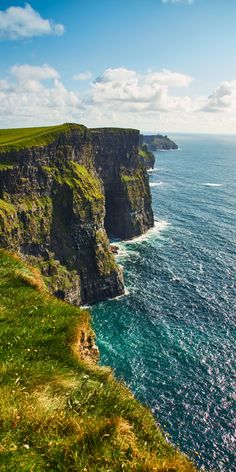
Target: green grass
6 208
77 177
57 411
19 138
114 130
6 167
145 154
128 178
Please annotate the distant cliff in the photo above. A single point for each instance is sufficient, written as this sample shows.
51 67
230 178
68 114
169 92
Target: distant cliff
62 191
157 142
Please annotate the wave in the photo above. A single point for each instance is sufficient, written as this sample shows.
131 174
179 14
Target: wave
209 184
153 170
168 150
124 252
158 227
155 184
119 297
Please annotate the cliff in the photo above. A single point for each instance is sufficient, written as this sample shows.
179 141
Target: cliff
157 142
62 191
146 157
126 185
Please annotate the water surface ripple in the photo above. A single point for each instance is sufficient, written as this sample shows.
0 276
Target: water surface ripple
172 338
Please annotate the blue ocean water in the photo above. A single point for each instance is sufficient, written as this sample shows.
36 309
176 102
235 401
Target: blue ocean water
172 337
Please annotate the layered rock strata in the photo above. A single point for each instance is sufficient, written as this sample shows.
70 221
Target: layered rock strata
59 201
126 185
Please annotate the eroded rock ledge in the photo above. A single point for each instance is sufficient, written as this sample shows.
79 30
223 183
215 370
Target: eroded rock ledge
60 201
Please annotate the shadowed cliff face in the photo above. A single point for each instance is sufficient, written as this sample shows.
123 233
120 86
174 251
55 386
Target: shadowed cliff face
55 200
127 192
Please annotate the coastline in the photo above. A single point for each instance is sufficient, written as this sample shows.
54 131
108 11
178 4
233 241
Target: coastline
172 340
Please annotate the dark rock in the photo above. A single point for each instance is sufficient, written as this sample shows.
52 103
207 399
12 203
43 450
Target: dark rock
59 201
126 184
114 249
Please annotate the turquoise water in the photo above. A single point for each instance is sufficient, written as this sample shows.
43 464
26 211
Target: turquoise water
172 337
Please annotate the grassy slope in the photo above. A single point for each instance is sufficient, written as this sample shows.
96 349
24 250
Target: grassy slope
59 413
19 138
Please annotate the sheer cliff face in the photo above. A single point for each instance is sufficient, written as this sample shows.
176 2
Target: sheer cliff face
56 199
127 192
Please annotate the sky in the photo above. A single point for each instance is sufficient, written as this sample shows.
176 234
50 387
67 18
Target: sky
156 65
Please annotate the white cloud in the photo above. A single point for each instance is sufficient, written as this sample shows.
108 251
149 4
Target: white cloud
36 95
169 78
83 76
25 22
222 99
26 72
26 100
130 91
177 2
3 85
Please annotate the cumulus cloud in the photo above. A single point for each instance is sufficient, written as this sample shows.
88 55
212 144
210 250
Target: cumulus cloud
25 22
36 94
223 98
83 76
25 72
170 78
3 85
177 2
130 91
155 100
28 98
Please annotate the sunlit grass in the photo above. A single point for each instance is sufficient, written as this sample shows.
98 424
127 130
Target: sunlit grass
18 138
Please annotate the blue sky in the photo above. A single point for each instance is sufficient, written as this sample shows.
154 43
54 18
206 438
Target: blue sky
152 64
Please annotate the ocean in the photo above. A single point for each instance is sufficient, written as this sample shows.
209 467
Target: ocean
171 338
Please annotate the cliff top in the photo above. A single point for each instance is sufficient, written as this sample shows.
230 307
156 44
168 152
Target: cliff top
114 130
19 138
16 139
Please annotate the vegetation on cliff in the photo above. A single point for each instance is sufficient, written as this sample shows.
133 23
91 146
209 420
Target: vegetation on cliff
59 410
34 160
52 209
18 138
146 157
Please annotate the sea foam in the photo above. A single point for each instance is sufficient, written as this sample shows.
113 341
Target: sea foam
158 227
209 184
155 184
